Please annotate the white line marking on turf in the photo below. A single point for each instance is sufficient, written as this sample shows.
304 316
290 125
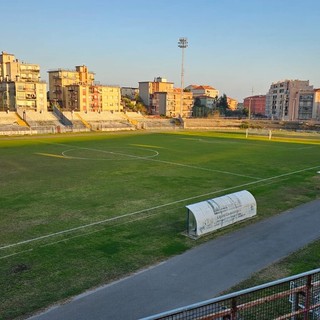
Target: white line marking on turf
243 142
161 161
64 153
153 208
204 169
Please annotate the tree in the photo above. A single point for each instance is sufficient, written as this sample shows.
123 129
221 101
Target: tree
134 105
200 111
222 104
128 104
140 107
197 102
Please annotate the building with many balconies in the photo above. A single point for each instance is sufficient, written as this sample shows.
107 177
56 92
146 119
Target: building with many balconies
290 100
76 90
20 85
63 82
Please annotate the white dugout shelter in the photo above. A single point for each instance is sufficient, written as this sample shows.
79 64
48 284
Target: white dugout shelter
207 216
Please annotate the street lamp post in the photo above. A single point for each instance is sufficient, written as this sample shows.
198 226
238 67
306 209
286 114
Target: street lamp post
183 43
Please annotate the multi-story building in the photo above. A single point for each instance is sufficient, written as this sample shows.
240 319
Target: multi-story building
316 105
162 98
95 98
232 103
60 79
305 104
148 88
129 92
76 90
208 101
169 103
20 85
290 100
255 104
110 98
202 90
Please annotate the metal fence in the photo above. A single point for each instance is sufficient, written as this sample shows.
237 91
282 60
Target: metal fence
292 298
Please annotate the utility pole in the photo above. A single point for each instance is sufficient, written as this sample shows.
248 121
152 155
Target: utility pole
249 111
183 43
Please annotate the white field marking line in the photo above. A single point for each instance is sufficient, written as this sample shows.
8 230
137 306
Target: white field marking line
156 207
302 148
204 169
163 161
181 165
99 150
146 146
212 142
16 253
156 153
244 143
95 231
79 235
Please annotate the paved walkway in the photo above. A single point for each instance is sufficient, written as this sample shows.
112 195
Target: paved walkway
199 274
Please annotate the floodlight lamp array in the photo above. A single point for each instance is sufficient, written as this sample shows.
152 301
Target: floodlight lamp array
183 43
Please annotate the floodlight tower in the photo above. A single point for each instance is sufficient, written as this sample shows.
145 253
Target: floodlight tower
183 43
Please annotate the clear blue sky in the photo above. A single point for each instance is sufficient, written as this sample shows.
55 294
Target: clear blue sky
234 45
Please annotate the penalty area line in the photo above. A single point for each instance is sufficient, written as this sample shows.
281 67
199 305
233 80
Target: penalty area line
154 208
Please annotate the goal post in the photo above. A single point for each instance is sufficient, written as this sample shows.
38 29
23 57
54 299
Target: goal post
254 132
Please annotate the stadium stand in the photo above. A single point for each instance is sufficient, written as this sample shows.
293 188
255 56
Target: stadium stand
41 119
105 121
10 122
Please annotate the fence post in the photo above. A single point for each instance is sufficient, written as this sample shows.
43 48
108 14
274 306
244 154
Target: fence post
234 308
308 298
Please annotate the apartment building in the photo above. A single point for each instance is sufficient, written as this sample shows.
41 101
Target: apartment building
110 98
208 101
232 103
163 99
316 105
129 92
169 103
76 90
305 104
63 82
95 98
20 85
148 88
290 100
202 90
255 104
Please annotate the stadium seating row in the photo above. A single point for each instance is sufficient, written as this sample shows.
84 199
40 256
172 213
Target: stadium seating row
67 120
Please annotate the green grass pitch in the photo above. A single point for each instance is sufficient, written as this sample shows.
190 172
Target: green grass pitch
78 211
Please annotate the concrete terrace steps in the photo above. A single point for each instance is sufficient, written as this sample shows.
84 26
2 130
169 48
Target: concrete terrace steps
10 118
40 119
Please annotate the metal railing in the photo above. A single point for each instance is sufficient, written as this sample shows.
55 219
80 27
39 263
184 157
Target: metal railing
292 298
